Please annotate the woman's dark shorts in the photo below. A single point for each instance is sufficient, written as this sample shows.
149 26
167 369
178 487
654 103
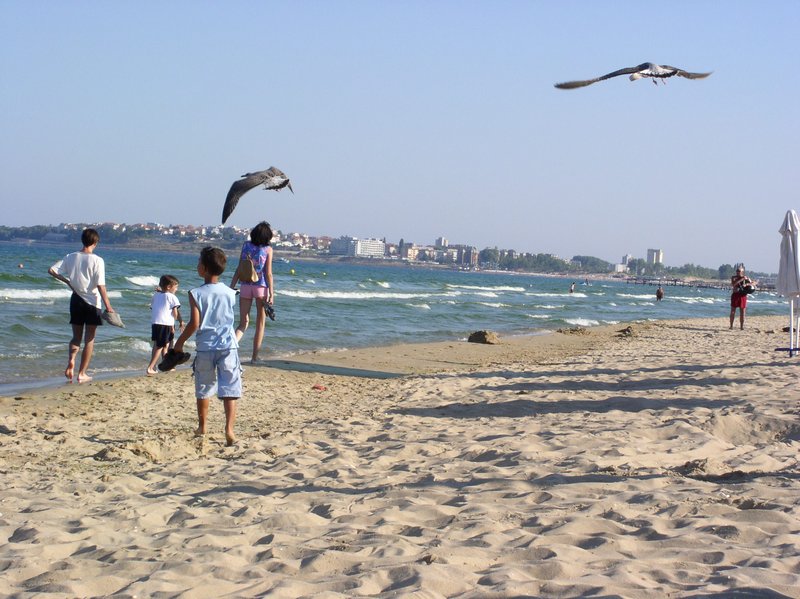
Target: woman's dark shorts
162 334
81 313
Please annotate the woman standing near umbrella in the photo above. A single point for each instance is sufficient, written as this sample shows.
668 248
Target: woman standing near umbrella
260 252
739 284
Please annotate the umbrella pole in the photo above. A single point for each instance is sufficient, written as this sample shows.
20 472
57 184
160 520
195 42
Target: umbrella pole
791 327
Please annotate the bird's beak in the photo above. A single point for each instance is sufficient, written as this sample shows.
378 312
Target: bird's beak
289 185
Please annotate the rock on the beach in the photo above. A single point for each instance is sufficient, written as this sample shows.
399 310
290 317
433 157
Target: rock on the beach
484 337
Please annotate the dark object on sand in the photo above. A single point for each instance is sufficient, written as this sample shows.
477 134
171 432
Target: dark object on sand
489 337
173 359
644 70
272 178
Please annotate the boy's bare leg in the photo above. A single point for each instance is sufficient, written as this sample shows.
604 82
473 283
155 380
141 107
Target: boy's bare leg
157 353
230 419
733 315
741 318
202 416
86 354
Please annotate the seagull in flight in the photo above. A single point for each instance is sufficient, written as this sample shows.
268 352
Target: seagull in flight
272 178
646 69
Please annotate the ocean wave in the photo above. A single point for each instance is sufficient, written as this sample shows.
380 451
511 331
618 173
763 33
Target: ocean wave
484 288
494 304
539 316
370 283
549 307
144 280
22 355
32 294
637 296
775 302
696 300
41 294
420 306
355 295
582 322
546 294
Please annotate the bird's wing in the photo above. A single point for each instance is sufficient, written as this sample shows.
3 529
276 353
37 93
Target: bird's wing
276 179
585 82
682 73
237 190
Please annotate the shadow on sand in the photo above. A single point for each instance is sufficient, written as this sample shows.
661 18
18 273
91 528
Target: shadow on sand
325 369
526 407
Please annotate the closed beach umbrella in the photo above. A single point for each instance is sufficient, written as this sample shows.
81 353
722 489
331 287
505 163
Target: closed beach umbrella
788 284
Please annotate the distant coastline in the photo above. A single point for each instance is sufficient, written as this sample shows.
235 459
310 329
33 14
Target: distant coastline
193 247
190 247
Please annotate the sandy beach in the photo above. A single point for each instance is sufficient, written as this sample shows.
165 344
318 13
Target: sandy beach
654 460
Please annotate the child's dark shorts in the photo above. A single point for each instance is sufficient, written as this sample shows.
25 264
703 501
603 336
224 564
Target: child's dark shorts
82 313
162 334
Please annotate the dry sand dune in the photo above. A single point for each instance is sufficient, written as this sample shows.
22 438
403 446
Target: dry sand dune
661 462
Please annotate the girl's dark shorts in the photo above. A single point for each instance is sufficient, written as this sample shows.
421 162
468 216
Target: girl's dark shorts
82 313
162 334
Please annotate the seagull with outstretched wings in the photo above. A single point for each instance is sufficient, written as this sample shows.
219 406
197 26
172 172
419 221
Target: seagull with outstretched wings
272 178
644 70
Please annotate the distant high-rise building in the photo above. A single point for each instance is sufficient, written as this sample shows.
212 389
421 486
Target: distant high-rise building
626 259
441 242
655 257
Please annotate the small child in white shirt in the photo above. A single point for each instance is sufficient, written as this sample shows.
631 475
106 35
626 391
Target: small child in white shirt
165 312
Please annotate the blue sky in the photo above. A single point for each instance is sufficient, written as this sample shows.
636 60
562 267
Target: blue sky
411 119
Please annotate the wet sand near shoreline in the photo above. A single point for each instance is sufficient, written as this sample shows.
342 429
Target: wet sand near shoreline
659 458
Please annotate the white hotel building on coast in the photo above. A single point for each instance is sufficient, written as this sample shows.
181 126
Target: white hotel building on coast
352 246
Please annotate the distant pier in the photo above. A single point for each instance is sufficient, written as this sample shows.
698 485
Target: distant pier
655 282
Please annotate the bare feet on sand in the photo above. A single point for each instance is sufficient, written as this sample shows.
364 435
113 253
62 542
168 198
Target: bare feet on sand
198 432
230 439
84 378
152 371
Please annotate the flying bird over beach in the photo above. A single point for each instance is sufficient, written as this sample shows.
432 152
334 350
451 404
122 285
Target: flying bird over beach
272 178
644 70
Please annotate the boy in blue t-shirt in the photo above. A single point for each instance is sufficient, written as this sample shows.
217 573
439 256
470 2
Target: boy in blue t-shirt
217 370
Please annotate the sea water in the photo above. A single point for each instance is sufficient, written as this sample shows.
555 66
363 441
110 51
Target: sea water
320 305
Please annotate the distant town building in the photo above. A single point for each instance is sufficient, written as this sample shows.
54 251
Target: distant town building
623 265
354 247
370 248
409 252
655 257
467 255
441 242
